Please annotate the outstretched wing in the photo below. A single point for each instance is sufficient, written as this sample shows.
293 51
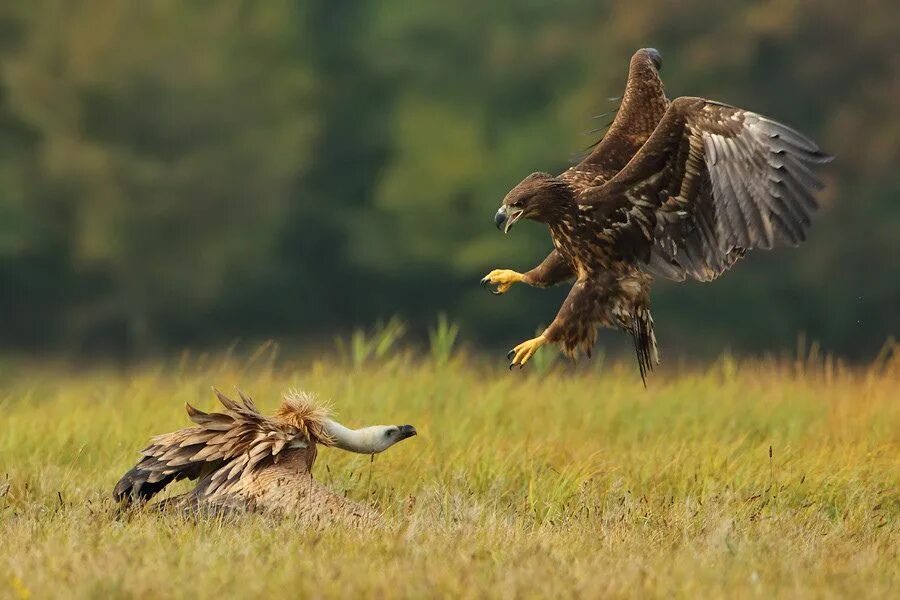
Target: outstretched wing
643 105
228 445
711 182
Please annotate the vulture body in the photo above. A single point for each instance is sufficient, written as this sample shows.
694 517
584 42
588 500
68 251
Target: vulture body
677 189
245 461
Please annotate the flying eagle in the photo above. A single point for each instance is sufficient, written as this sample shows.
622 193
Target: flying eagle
677 189
244 461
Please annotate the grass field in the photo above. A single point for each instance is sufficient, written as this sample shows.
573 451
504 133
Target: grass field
740 479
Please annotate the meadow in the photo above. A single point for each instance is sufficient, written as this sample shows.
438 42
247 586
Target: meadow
740 478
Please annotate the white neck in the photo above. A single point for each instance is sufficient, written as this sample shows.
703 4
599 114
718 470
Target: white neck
366 440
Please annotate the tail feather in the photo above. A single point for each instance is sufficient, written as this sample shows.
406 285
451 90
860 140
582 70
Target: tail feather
644 342
135 487
142 481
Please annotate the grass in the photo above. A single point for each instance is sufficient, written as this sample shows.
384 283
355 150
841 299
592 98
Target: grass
742 479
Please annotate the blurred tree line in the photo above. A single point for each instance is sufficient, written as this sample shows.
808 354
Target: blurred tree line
184 173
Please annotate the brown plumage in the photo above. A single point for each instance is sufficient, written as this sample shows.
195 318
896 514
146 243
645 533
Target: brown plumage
245 461
679 189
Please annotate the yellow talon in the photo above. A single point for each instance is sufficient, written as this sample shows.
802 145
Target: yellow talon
502 278
524 351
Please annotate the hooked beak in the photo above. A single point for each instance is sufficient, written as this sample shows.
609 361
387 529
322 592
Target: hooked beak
407 431
506 218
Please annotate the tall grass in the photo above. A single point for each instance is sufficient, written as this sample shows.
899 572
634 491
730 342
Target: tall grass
746 478
363 347
442 339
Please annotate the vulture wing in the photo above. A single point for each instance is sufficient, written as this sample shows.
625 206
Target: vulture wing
226 446
712 181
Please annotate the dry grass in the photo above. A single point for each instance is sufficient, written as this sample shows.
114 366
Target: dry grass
520 485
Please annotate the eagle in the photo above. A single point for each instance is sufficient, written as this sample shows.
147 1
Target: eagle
245 461
678 189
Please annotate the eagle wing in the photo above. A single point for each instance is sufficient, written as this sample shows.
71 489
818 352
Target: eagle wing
227 446
711 182
643 105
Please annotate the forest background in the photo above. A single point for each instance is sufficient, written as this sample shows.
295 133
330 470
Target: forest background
185 174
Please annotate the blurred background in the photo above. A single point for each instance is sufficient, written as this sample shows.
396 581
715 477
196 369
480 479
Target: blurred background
185 174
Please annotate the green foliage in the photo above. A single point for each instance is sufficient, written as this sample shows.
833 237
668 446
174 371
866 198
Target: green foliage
181 174
364 347
441 339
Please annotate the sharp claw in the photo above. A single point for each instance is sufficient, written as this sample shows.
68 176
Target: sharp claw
484 282
511 365
496 293
510 354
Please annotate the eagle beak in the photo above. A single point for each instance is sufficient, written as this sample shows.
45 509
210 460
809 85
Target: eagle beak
407 431
505 218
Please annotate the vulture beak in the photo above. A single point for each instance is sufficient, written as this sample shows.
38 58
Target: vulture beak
407 431
506 218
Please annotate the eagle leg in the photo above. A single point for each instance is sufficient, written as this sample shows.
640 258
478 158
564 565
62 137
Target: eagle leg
503 279
524 351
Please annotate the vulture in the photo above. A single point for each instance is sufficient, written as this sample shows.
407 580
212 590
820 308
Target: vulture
245 461
677 189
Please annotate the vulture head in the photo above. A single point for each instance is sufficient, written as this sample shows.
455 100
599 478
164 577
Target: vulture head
367 440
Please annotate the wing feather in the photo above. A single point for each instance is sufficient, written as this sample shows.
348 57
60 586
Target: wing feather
643 104
712 182
231 444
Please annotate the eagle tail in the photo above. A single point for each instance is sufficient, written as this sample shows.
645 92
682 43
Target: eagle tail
644 341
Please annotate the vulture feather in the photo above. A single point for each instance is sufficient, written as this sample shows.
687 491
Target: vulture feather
243 460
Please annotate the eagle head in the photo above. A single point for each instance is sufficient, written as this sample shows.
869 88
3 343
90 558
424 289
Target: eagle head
652 54
537 197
